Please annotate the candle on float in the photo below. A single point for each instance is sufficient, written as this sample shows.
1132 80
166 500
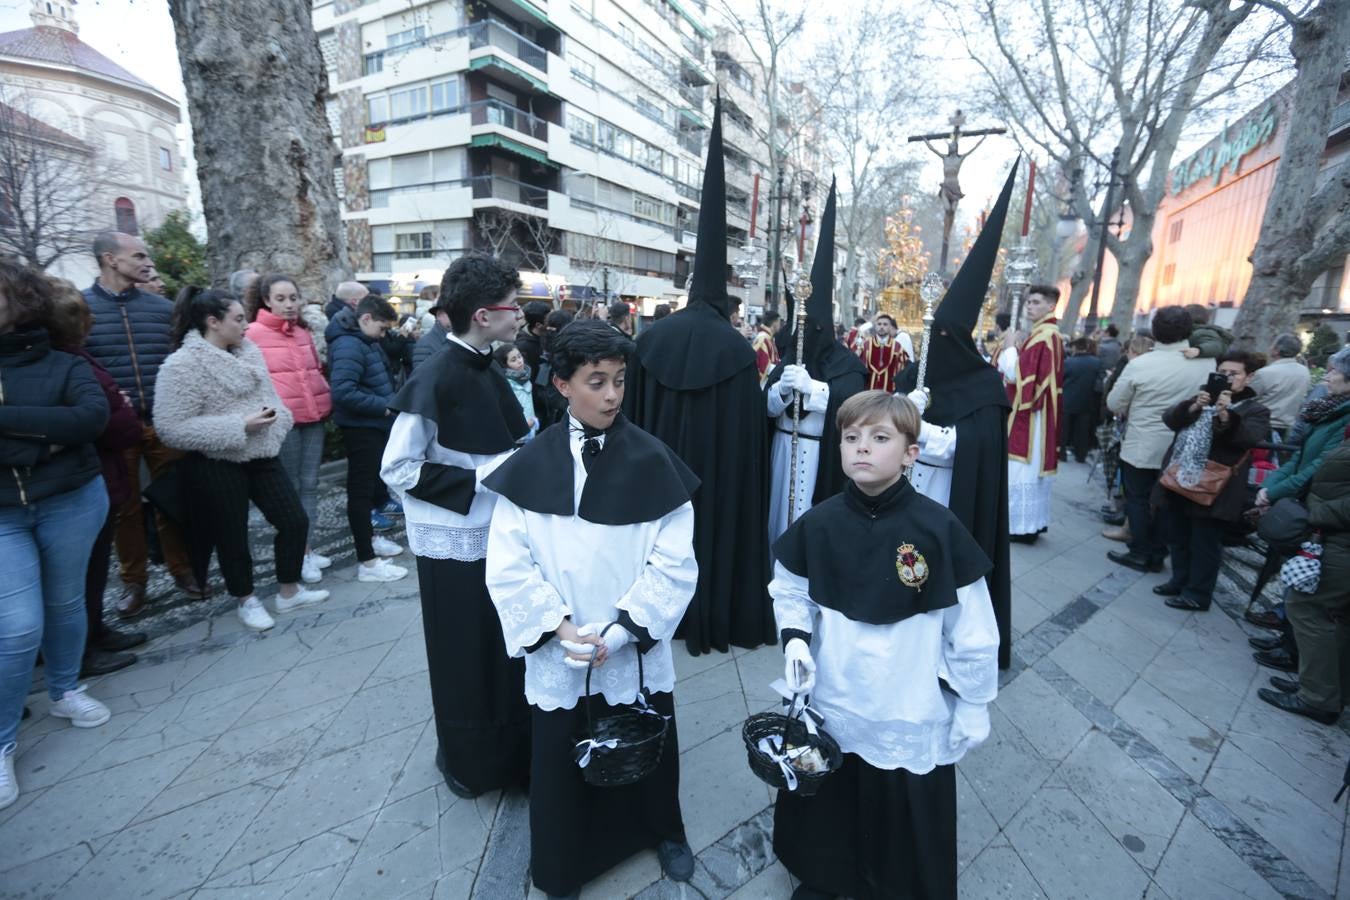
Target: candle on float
1031 187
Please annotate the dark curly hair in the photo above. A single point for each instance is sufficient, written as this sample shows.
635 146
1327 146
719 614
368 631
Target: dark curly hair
261 289
1172 324
472 282
586 341
28 293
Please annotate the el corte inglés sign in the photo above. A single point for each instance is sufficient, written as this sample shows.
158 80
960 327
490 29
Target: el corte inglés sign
1211 162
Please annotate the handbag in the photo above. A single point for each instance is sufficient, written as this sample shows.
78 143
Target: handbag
1213 479
1285 524
1303 571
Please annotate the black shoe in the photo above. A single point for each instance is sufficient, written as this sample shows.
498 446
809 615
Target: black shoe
101 662
113 641
1116 519
1285 685
1265 618
1134 561
1023 538
1292 703
1186 603
1276 659
809 893
1266 643
1167 589
677 860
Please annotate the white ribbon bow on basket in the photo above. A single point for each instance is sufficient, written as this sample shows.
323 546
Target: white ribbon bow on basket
584 748
772 747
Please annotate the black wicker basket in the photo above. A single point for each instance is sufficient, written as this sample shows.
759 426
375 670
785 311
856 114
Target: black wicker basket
788 729
638 733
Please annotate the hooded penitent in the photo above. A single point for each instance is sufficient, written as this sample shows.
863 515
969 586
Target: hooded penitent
968 393
687 351
827 360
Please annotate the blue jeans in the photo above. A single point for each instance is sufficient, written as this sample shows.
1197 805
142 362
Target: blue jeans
44 551
301 454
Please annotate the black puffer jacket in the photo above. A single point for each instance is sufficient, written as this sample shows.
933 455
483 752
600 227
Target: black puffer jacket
47 398
130 339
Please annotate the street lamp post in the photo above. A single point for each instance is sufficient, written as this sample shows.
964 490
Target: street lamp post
1091 324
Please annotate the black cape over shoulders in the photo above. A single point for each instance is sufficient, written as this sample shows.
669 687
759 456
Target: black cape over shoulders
635 478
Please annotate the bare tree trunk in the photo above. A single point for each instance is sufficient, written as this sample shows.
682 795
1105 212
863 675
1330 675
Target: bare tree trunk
1129 273
256 85
1291 251
1077 292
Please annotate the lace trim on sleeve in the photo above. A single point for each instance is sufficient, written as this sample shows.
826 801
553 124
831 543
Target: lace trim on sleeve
445 542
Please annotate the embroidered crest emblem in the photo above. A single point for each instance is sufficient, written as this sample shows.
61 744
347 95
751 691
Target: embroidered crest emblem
911 566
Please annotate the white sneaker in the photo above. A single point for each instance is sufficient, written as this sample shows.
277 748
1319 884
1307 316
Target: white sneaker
82 710
9 785
310 572
319 560
384 547
254 615
302 597
380 570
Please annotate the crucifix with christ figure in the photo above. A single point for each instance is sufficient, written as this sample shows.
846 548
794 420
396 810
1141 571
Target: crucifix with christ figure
952 157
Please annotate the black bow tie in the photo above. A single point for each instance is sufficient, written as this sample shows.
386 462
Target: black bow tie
590 444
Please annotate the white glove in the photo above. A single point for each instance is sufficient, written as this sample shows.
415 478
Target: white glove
970 725
919 398
614 639
797 659
794 378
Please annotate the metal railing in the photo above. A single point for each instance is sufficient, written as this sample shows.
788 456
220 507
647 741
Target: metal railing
495 34
495 112
480 34
499 187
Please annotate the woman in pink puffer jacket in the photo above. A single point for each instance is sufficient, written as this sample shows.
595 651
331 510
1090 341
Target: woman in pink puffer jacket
273 305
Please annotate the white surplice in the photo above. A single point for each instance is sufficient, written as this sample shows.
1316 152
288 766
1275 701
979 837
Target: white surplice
543 568
433 531
877 685
810 427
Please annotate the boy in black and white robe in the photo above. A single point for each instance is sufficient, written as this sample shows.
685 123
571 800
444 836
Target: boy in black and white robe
593 525
880 597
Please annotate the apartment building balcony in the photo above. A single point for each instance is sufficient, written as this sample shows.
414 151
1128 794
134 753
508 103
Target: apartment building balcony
507 55
694 71
495 115
499 190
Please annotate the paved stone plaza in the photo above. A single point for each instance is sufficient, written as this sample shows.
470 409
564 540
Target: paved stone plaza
1129 758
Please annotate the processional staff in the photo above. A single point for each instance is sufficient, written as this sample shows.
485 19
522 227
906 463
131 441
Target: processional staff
803 293
931 292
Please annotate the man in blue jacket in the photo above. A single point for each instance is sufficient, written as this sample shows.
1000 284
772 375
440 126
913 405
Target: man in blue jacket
363 384
130 338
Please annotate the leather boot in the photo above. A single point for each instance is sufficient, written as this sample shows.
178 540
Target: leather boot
131 603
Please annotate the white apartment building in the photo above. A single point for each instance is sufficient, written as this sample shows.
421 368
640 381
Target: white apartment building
565 135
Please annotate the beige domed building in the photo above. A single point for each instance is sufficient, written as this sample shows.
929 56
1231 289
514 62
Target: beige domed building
125 128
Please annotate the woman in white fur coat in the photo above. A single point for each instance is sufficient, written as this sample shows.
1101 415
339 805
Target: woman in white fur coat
214 400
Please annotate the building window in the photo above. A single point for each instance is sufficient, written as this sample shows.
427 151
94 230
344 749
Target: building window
444 95
1169 274
1174 234
583 71
403 38
581 128
166 159
412 242
377 110
373 63
408 104
125 212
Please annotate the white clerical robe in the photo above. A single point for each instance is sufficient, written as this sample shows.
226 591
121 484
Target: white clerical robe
1029 490
810 428
542 568
932 473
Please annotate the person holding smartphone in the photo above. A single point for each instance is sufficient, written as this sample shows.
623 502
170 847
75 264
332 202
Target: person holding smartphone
216 401
1236 422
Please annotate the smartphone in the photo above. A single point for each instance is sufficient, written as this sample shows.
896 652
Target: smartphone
1216 384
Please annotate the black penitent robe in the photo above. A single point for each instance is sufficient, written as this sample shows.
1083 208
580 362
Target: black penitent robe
977 405
694 386
845 375
477 691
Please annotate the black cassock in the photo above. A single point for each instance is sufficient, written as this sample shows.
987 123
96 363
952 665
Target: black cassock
694 386
477 691
977 404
